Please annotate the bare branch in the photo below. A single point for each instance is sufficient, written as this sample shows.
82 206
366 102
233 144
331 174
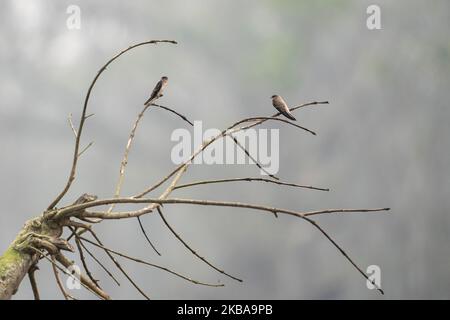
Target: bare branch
109 273
85 148
72 126
173 111
83 261
146 237
343 253
85 282
83 118
196 183
303 215
252 158
65 212
275 119
117 264
124 162
83 279
66 295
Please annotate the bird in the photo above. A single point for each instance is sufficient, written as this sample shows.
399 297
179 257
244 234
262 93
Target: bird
157 91
281 106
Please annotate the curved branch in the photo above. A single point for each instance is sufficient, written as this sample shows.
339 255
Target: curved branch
83 118
275 119
197 183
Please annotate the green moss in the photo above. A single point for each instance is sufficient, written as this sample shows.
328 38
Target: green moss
10 257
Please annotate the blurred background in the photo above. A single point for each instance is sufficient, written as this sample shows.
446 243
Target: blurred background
382 141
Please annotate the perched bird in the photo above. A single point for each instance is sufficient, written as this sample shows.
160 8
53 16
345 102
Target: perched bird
157 91
281 106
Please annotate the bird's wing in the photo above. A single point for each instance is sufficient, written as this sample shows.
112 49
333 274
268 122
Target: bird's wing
282 107
287 114
154 92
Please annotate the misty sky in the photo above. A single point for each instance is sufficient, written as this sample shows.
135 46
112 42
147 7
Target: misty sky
381 142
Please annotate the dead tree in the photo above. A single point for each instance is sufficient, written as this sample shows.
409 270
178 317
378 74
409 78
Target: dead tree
41 237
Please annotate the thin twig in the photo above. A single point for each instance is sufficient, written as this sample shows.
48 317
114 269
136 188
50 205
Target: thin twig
196 183
83 279
83 261
173 111
66 295
281 120
150 264
99 263
118 264
146 237
192 250
252 158
343 253
85 148
182 166
72 126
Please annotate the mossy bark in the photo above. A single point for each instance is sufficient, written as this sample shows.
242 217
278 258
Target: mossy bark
19 257
14 265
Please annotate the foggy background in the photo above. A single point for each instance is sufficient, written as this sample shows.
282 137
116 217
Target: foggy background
382 141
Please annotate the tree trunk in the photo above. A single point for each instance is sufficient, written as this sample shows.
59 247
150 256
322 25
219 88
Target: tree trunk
14 265
19 257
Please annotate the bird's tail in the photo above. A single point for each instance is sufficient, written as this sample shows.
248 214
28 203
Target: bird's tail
288 115
148 101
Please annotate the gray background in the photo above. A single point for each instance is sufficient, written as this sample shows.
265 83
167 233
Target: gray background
381 142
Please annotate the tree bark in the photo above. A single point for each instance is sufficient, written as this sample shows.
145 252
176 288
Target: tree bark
17 260
14 265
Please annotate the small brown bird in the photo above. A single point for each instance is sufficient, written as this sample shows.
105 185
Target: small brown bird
281 106
157 91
